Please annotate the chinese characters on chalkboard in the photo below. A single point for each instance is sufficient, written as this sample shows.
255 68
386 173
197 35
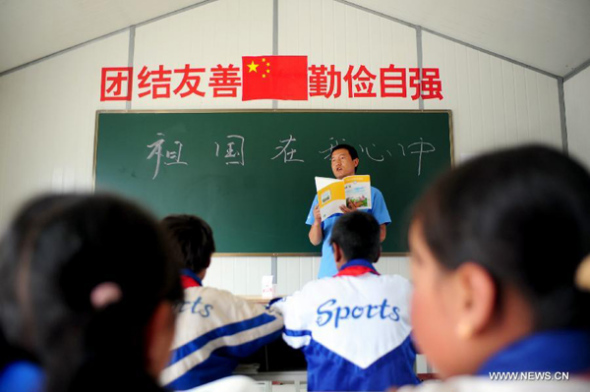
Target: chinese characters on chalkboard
234 152
231 151
287 155
172 156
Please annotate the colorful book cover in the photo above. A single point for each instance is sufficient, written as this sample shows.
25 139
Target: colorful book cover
351 191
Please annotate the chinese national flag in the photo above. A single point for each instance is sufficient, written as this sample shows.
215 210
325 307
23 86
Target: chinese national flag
274 77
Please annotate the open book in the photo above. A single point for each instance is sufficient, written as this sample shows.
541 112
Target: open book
350 191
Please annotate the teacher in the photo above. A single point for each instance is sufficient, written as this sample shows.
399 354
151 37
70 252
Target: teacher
345 161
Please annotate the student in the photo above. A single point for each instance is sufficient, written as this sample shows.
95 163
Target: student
495 246
214 328
88 285
345 161
353 328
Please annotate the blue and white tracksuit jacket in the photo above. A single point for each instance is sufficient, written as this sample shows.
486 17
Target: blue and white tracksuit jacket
354 330
214 329
546 361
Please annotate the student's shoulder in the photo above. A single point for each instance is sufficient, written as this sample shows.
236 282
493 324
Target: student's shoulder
215 294
316 285
223 300
311 289
396 280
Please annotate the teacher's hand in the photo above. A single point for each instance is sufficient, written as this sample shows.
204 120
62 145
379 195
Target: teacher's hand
316 214
346 210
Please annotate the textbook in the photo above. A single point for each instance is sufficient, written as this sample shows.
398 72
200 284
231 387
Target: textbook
350 191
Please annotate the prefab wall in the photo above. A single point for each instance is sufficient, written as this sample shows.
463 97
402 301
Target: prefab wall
577 103
47 109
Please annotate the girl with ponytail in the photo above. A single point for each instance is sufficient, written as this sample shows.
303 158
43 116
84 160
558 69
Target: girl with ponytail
89 286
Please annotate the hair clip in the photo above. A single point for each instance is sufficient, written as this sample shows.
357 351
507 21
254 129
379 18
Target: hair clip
583 274
104 294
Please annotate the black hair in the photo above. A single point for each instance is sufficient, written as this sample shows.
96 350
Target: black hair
357 234
351 150
193 238
56 251
524 215
10 353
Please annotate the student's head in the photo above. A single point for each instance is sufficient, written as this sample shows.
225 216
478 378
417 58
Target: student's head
193 239
88 284
356 236
495 246
345 160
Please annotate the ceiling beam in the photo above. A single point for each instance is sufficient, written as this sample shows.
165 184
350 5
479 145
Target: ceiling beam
577 70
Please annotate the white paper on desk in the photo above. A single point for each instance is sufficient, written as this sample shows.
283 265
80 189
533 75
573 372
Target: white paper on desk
268 287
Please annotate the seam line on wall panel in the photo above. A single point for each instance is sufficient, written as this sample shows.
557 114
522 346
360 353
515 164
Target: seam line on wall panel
577 70
420 63
562 115
273 268
540 106
403 22
93 40
131 58
275 41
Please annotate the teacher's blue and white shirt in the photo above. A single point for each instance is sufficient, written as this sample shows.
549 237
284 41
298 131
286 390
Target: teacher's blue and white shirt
378 210
353 328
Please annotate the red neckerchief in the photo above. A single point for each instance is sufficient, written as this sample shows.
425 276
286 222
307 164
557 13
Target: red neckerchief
357 267
189 279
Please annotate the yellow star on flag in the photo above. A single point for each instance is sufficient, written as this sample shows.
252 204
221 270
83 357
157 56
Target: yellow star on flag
252 66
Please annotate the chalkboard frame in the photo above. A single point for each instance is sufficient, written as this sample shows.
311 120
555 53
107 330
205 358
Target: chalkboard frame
196 111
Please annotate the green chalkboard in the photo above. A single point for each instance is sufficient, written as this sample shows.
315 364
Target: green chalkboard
250 174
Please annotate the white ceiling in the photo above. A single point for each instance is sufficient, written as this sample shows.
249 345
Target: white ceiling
551 35
32 29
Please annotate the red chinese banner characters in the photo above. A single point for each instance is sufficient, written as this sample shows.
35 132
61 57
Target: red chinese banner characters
225 81
323 81
360 85
393 82
116 84
274 77
190 81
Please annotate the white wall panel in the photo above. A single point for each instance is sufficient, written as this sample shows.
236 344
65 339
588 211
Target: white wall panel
220 32
577 109
329 33
240 275
389 265
495 103
47 122
294 272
